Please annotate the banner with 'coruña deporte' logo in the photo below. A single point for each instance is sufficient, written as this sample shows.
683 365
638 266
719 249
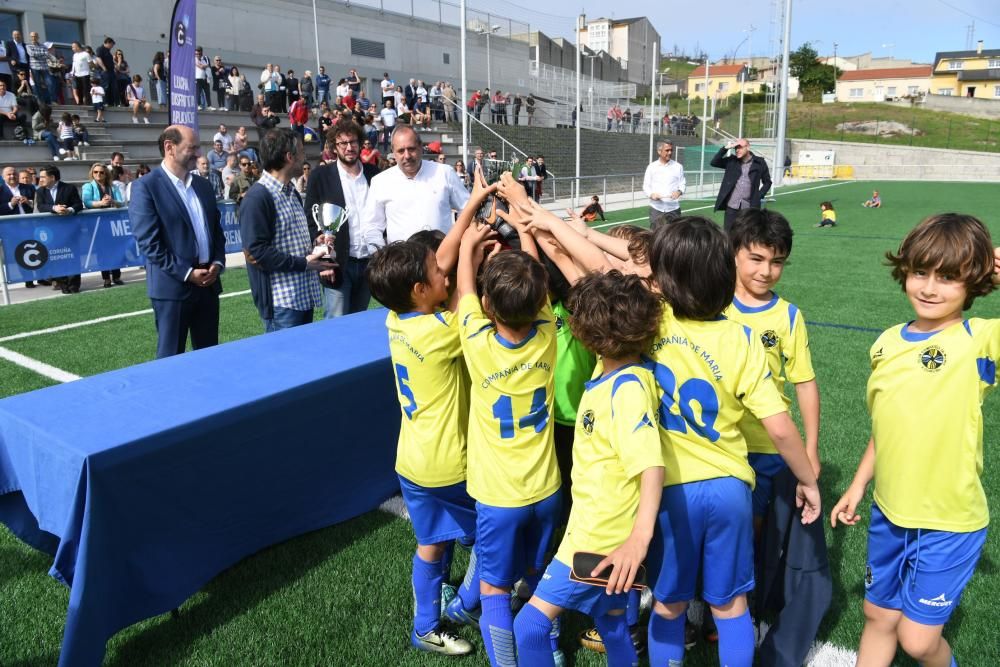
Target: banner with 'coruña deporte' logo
183 104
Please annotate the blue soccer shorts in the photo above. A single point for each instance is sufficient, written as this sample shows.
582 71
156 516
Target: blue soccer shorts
512 540
703 527
439 514
921 572
765 467
557 588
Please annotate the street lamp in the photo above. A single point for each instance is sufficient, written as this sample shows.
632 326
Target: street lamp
487 30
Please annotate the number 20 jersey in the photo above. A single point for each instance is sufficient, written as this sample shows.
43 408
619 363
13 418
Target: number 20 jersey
512 460
710 373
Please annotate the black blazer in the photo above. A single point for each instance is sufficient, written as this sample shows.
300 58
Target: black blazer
760 178
6 195
66 195
325 188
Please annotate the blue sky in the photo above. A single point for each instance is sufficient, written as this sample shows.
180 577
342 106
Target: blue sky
913 29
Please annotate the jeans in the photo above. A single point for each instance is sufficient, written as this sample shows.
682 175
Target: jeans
322 96
353 294
50 139
161 92
286 318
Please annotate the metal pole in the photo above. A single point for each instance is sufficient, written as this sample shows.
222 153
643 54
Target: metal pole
3 277
316 34
652 99
632 188
704 128
581 21
743 85
465 92
779 149
489 79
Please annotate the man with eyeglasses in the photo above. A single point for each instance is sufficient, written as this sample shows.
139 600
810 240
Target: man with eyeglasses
745 182
344 183
664 184
242 181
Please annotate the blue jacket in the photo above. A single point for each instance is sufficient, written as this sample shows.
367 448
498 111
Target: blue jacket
162 228
91 192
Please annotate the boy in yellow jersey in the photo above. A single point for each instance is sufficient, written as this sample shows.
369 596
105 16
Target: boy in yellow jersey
762 240
411 280
509 342
929 514
710 370
617 470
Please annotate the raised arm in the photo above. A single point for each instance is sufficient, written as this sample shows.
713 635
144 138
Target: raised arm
447 253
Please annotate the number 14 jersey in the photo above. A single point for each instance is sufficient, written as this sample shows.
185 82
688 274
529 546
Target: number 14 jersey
710 373
512 460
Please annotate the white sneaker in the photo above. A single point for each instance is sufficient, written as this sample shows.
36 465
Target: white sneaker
62 151
55 158
146 121
135 121
441 641
211 108
86 143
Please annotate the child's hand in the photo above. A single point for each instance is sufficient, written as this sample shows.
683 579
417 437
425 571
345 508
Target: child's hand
576 222
518 216
475 235
845 509
807 499
625 562
512 191
996 266
480 190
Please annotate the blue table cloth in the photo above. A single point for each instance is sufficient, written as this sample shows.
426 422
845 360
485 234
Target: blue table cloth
148 481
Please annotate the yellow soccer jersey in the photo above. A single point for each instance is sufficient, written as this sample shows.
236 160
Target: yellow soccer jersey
925 395
616 439
709 373
512 461
782 331
427 361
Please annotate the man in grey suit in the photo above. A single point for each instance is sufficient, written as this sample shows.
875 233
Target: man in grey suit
178 227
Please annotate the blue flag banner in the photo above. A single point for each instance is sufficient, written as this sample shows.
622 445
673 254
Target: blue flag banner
183 105
43 246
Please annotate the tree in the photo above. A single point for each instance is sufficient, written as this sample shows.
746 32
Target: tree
802 60
815 78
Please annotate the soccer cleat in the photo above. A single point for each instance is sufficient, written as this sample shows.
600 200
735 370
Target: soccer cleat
448 593
591 639
456 612
440 641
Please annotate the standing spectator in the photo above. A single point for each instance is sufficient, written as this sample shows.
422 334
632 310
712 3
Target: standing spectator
11 113
410 94
97 95
664 183
136 96
98 193
388 116
107 79
202 70
298 116
388 88
636 119
81 74
530 108
276 241
246 95
462 174
517 107
7 54
121 77
478 163
158 78
43 129
234 83
543 174
262 116
745 182
369 154
220 82
241 144
177 225
54 196
529 177
499 108
437 106
322 87
291 88
18 53
450 97
280 104
38 62
306 88
267 86
344 183
213 176
56 73
422 98
354 82
413 195
611 116
627 119
16 199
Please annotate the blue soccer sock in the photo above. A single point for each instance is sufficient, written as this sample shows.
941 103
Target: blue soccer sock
532 629
469 589
497 627
736 641
666 640
446 558
617 640
632 610
427 580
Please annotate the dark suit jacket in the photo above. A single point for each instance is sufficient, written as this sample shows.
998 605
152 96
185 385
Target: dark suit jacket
162 227
325 188
6 195
760 178
410 96
66 195
14 54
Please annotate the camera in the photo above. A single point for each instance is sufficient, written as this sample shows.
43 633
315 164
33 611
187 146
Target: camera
487 213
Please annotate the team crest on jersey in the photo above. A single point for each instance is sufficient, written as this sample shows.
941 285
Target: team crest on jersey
588 422
559 323
869 578
769 339
933 358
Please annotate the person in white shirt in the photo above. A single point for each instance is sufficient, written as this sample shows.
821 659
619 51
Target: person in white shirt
388 87
388 117
664 184
81 74
226 139
136 96
413 195
201 72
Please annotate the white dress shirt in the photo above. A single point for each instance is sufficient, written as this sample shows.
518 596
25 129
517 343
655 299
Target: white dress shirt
355 197
401 206
664 179
16 191
193 205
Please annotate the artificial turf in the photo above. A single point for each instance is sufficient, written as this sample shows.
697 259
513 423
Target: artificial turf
341 596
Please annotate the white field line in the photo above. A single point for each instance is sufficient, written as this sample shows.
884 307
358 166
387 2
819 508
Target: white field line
109 318
702 208
50 372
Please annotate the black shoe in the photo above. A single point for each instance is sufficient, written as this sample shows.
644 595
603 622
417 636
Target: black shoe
29 284
118 281
74 289
45 282
107 283
65 290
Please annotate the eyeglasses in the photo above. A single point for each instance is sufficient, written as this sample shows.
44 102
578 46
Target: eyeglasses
345 144
244 164
100 171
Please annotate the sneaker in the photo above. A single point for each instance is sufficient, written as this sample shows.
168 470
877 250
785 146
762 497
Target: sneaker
86 143
456 612
211 108
146 121
135 121
62 151
440 641
55 158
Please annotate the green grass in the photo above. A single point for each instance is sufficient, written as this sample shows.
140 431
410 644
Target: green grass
341 596
810 120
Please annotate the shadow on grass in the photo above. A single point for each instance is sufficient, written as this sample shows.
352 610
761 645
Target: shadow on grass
16 562
236 591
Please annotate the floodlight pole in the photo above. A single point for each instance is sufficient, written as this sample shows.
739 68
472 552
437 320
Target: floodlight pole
463 111
581 21
779 149
316 35
652 100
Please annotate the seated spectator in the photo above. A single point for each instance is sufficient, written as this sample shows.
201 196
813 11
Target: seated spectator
67 138
241 145
16 199
10 113
43 129
135 94
593 210
80 131
302 182
220 82
242 181
217 156
99 193
369 154
389 117
140 171
262 117
120 179
231 169
24 93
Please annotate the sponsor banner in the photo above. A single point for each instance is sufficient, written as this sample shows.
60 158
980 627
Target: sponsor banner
183 103
43 246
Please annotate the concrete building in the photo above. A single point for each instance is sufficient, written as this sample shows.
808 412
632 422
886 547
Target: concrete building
723 81
973 73
418 39
879 85
631 42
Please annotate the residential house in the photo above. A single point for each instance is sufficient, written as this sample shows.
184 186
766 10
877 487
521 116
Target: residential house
879 85
967 73
723 81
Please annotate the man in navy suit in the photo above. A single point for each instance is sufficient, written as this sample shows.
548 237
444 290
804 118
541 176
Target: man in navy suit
178 227
58 198
15 199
